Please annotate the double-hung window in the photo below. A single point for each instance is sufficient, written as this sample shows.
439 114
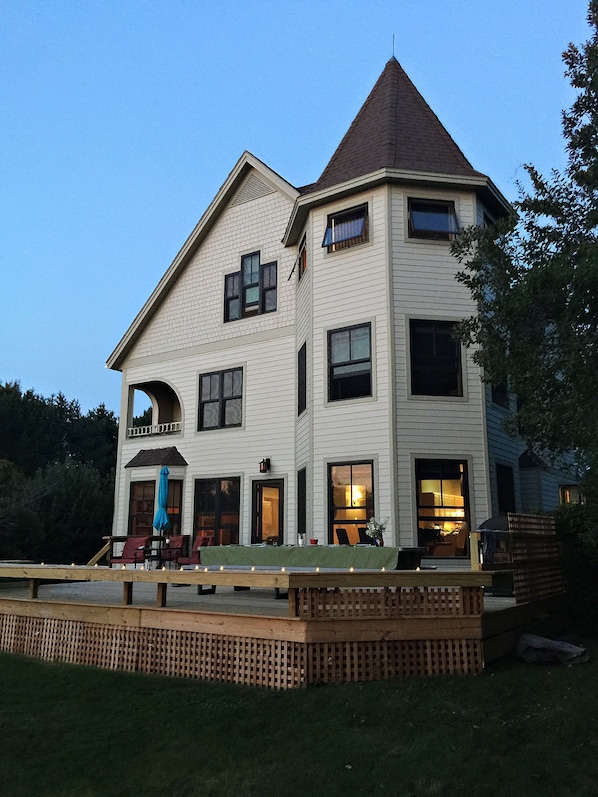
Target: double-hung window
346 229
220 399
252 290
433 219
435 359
349 363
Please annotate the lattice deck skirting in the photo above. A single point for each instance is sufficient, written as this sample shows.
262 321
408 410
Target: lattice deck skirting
338 635
274 663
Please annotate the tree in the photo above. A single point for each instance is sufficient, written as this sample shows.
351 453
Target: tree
534 279
56 476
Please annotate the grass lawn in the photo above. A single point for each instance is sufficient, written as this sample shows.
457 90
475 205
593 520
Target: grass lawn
516 729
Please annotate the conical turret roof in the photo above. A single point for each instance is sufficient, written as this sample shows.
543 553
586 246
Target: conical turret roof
394 129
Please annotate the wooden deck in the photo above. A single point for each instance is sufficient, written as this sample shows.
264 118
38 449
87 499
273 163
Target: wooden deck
335 626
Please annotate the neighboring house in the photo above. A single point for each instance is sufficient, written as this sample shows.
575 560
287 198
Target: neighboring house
299 357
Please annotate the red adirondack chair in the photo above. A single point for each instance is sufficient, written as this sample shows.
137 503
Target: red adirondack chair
132 553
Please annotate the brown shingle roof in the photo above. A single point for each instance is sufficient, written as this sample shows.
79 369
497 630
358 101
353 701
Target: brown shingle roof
157 456
394 129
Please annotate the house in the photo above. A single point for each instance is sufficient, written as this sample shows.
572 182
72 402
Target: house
299 355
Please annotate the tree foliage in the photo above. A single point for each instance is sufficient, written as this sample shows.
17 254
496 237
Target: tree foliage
534 278
56 476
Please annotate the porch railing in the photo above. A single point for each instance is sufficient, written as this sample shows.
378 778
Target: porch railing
154 429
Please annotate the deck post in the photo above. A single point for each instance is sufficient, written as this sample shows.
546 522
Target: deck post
161 595
127 593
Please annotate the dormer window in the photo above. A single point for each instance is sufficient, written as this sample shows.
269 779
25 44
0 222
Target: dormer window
432 219
252 290
346 229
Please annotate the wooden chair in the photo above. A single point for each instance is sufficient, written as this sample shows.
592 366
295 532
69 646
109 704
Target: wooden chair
132 552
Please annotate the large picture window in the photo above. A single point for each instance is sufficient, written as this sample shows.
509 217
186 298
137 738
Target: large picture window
435 359
349 363
442 506
350 501
252 290
220 399
216 512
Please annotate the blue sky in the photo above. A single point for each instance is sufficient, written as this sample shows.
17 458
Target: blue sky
122 118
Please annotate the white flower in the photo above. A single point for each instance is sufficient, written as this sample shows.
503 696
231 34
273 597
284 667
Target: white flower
376 528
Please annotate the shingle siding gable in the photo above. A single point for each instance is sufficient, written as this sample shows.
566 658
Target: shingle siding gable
192 314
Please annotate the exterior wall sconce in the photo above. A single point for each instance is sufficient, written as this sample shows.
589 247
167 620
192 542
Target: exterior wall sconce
265 465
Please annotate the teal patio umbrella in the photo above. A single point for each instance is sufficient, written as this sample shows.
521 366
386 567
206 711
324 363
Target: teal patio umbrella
161 522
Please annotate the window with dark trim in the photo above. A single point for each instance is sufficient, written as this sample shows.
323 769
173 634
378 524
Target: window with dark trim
345 229
220 399
505 488
141 508
435 359
350 501
349 363
174 505
431 218
252 290
216 511
302 501
302 379
442 501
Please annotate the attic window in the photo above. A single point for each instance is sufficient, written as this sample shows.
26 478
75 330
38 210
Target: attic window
432 219
346 229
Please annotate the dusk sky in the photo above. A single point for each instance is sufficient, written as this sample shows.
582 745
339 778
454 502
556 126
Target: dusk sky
121 119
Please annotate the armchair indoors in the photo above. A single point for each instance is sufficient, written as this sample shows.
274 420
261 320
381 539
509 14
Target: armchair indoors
342 537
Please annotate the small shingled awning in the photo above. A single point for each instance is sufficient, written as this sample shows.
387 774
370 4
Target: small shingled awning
157 456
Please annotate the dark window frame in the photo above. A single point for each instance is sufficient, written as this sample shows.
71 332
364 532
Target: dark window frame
346 380
505 488
251 291
302 501
368 508
174 506
432 219
142 497
436 365
302 379
429 516
222 398
214 515
346 228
